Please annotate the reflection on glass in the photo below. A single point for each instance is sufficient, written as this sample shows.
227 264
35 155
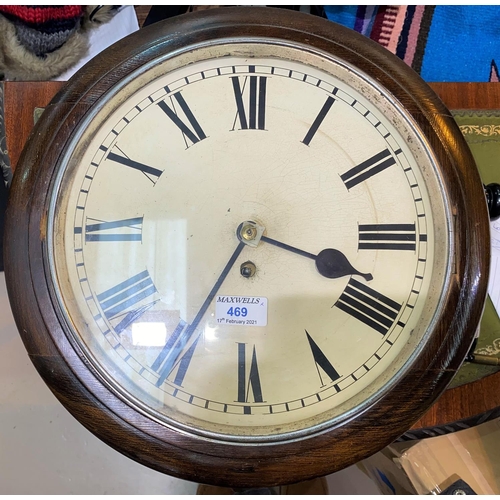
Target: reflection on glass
210 333
149 334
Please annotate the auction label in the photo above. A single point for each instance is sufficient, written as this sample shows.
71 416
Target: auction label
243 311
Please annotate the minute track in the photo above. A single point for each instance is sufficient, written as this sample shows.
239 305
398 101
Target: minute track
303 78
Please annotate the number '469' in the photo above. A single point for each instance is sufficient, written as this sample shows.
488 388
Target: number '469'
237 311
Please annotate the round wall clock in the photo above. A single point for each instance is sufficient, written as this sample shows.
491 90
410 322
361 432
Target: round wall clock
247 247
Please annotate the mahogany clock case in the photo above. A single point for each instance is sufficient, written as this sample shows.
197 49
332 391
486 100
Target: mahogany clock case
78 385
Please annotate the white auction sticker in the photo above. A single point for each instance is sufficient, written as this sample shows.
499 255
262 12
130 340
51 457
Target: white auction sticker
243 311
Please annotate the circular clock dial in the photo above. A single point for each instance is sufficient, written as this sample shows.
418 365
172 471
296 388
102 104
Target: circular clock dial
249 247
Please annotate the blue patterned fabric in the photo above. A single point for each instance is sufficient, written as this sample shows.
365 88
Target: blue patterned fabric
444 43
463 42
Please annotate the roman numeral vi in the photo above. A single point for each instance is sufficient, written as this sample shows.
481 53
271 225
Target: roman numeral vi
253 381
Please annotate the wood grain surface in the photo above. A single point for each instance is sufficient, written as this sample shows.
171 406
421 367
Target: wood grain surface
142 12
21 99
461 95
80 388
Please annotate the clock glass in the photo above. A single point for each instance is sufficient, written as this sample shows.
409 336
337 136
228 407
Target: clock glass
249 240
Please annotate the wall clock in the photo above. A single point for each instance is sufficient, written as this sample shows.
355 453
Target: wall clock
247 247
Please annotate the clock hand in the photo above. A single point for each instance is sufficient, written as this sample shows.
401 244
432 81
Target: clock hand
170 353
330 263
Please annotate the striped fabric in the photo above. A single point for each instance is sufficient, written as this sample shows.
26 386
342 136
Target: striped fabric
441 43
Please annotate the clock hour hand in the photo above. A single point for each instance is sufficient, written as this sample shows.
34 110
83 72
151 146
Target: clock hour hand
330 263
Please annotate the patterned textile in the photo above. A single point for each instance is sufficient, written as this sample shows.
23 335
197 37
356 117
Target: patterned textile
444 43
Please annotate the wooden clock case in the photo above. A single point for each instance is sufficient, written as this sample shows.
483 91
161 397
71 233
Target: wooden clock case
98 407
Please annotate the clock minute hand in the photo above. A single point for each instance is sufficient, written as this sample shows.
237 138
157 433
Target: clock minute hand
185 334
330 263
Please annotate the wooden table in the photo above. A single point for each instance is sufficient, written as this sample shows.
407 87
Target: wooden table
468 401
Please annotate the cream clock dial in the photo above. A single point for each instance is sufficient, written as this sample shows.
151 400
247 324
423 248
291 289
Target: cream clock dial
252 241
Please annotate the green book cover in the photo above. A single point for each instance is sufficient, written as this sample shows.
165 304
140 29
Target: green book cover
481 130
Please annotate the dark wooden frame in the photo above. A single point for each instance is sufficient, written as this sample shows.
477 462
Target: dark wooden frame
79 387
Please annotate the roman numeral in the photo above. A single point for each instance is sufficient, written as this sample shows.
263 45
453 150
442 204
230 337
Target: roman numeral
322 361
150 172
253 381
252 115
195 133
387 237
128 230
368 168
318 120
168 360
118 300
368 306
184 362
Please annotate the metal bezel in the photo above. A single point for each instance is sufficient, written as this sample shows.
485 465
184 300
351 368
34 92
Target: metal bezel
59 301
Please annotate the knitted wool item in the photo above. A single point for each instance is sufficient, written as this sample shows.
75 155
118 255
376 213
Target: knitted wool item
39 14
41 42
41 29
